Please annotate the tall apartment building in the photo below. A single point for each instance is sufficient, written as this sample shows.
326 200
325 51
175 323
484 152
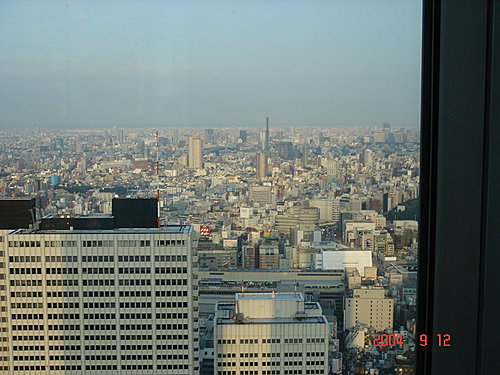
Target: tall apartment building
262 166
108 301
369 306
195 152
270 333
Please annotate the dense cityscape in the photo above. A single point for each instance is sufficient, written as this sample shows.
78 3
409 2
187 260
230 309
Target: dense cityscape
298 247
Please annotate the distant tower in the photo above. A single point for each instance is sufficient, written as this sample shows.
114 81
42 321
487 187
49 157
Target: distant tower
266 145
209 136
243 136
305 154
262 166
195 152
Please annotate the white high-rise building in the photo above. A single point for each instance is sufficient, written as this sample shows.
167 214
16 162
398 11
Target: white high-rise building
270 333
195 152
117 301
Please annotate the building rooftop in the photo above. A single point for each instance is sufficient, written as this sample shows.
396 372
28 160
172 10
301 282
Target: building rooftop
282 296
302 320
170 229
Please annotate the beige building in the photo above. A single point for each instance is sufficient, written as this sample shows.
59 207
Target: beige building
306 218
261 194
270 333
269 257
369 306
195 152
117 301
262 166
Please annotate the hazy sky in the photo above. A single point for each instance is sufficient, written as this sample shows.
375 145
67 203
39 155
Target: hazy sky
207 63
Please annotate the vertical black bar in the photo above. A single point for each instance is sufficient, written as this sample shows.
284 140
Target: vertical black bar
428 177
489 298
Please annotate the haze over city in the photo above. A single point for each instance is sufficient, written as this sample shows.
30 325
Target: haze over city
75 64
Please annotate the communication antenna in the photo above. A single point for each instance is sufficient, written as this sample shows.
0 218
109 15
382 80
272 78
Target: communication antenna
158 179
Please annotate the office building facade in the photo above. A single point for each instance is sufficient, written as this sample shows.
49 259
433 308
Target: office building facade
119 301
270 333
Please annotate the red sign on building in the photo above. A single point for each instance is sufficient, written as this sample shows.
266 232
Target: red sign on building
204 231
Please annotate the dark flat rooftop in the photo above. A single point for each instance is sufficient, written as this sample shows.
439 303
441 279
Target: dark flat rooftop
171 229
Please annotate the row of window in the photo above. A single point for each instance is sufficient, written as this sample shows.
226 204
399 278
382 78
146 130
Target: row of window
28 358
98 271
27 327
26 294
63 327
172 356
101 338
27 305
171 293
98 243
103 357
63 305
24 243
99 316
63 316
171 326
28 368
99 293
135 281
63 294
61 258
25 348
65 357
27 316
64 367
172 367
171 304
64 338
26 282
171 281
64 347
99 327
135 305
100 347
170 258
95 258
28 338
172 346
137 347
65 243
62 271
134 243
25 258
25 271
99 282
135 293
166 270
65 282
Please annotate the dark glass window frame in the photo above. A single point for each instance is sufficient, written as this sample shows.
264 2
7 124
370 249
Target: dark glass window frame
458 290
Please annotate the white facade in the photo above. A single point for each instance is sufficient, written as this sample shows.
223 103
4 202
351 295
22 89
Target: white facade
99 301
271 333
340 259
